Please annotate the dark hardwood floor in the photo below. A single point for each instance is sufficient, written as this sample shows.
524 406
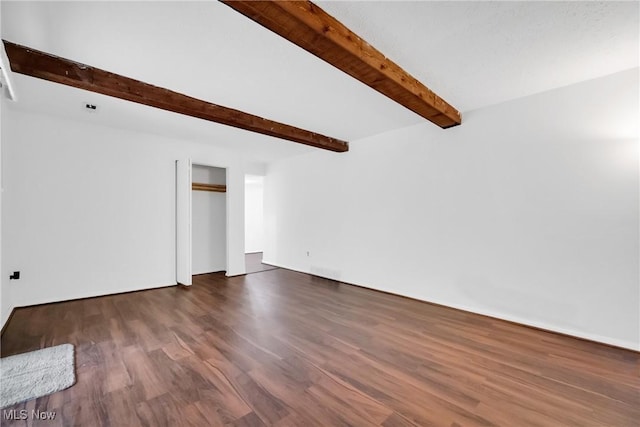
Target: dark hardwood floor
253 263
288 349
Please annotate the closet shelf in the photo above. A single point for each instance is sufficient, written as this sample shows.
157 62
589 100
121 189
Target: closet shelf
197 186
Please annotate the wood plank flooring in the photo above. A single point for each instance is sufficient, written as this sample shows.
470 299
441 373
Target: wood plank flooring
283 348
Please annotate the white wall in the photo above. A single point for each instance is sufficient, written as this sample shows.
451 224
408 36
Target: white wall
527 212
6 306
253 214
209 222
90 210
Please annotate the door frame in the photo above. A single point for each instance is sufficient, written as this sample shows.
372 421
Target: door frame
197 162
184 267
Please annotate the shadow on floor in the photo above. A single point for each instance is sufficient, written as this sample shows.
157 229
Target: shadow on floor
254 263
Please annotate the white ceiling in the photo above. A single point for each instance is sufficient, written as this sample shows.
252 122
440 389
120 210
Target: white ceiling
480 53
473 54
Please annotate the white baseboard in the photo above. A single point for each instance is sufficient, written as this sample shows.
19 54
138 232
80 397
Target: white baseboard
81 295
629 345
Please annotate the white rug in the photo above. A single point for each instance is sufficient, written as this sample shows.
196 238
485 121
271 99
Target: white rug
37 373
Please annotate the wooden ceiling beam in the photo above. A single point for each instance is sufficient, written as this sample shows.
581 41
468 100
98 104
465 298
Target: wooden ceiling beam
308 26
42 65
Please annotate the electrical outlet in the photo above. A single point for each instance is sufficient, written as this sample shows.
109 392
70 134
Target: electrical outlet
15 276
307 253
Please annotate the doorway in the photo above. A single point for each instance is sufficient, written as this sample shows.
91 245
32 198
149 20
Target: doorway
208 219
254 223
201 220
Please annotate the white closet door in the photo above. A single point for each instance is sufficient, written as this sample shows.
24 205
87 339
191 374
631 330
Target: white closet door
183 222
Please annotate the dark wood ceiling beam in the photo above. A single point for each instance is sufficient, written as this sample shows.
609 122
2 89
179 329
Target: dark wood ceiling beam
42 65
308 26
